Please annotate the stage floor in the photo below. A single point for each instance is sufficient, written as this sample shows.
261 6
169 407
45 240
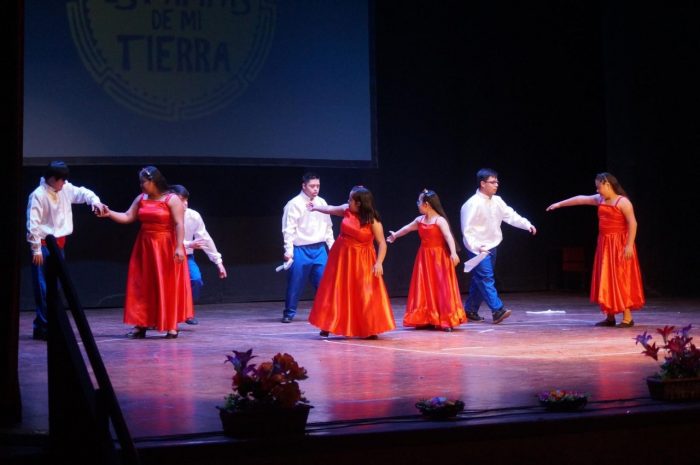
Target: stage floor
170 387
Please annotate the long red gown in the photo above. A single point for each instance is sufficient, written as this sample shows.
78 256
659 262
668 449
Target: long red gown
617 282
350 300
158 290
433 297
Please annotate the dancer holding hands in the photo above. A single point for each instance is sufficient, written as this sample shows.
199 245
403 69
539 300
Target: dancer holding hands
433 300
352 299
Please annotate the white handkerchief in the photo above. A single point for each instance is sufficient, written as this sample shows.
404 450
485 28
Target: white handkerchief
472 262
285 266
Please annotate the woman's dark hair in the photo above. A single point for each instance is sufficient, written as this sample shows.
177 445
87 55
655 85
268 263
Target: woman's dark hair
368 213
151 173
57 170
431 198
607 177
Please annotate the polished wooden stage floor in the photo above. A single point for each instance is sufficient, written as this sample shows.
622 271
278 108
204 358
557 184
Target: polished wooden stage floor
170 388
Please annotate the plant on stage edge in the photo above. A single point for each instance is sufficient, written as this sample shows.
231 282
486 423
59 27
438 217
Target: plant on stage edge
681 359
440 407
561 396
272 384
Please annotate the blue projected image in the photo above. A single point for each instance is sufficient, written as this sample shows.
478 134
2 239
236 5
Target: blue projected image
205 81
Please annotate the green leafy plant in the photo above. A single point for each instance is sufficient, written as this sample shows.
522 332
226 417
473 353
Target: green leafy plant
272 384
681 357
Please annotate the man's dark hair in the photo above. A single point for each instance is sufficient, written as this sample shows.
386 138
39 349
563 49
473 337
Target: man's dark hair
180 191
308 176
483 174
57 170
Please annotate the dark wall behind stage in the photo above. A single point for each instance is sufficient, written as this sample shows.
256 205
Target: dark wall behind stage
548 94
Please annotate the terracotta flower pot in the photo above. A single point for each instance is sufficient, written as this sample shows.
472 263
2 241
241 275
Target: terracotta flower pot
265 421
676 390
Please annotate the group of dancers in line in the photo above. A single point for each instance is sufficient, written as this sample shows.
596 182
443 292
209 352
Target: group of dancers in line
351 298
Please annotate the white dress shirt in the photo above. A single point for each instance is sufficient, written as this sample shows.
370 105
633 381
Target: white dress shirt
303 227
195 229
481 217
50 212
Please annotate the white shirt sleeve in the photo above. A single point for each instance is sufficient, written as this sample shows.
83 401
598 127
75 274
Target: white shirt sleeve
467 219
290 218
511 217
80 194
34 215
199 231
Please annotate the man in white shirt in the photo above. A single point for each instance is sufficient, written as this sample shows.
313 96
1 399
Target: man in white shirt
307 236
50 212
481 218
197 237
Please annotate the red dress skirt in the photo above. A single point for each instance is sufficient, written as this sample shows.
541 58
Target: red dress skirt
158 292
433 298
616 284
350 300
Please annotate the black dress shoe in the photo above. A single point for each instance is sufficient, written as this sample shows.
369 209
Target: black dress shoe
625 324
40 334
192 321
500 315
137 333
606 322
286 319
324 333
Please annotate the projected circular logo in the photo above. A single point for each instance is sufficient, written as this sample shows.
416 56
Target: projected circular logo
173 59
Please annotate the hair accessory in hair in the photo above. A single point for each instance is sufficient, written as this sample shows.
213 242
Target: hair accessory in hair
144 173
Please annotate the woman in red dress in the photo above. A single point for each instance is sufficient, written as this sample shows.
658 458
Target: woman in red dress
433 300
158 291
617 281
351 299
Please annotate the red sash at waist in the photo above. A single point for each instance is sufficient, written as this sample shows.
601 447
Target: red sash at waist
61 241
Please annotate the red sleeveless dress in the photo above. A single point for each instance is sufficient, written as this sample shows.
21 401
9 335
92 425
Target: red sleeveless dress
617 282
158 290
350 300
433 297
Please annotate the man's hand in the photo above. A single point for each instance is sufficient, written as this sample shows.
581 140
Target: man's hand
222 270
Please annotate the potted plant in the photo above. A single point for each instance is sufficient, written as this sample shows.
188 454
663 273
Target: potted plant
679 376
439 408
266 399
562 400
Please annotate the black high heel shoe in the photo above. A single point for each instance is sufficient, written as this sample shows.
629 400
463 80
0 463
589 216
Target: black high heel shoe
170 335
137 333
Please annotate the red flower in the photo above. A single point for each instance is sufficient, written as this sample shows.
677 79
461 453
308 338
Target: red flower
272 383
681 359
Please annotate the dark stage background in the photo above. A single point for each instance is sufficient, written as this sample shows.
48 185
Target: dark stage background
546 93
